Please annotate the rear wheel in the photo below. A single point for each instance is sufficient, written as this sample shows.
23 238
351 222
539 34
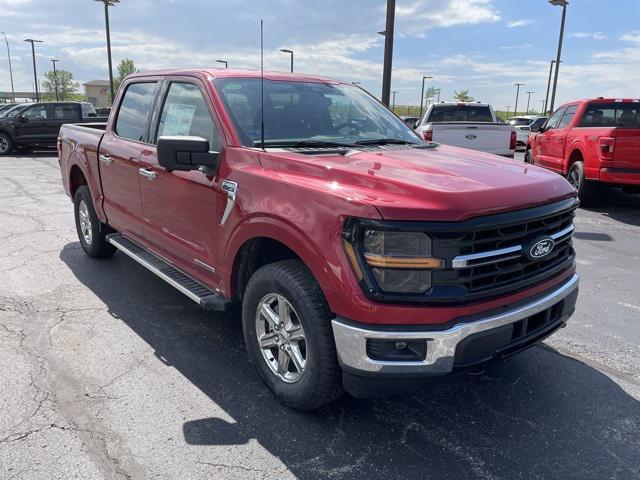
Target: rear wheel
91 232
6 145
587 190
287 331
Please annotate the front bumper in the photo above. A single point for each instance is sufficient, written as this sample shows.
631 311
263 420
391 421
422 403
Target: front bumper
463 345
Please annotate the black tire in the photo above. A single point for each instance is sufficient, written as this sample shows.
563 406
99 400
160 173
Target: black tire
528 157
97 245
587 190
321 379
6 145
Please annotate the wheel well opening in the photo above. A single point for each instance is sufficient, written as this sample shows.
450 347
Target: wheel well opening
76 180
256 253
576 156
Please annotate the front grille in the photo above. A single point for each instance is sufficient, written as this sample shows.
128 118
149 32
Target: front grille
506 268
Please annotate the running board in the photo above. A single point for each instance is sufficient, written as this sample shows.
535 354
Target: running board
203 296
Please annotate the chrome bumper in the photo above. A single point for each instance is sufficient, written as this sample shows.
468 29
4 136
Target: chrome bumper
351 341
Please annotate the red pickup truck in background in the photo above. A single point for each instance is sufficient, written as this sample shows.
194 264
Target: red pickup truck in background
362 257
594 143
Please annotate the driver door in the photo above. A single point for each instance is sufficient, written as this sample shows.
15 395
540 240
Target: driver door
542 150
30 125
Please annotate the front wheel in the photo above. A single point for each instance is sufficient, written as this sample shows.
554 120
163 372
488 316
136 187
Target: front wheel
287 331
528 157
6 145
587 190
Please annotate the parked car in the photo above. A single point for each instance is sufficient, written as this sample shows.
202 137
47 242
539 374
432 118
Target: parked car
522 126
37 124
362 257
467 125
410 121
594 143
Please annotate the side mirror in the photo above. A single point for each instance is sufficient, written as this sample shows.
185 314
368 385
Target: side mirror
23 119
535 128
186 154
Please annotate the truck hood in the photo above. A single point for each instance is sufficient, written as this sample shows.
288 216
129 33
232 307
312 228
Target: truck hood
442 183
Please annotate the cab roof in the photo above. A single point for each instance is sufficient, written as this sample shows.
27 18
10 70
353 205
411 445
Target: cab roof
237 73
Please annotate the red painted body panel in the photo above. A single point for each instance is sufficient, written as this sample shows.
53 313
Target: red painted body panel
302 202
556 149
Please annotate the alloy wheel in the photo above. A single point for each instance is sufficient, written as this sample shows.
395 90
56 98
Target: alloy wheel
85 222
4 145
281 338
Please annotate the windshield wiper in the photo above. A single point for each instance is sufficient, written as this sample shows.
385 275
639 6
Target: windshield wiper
304 144
385 141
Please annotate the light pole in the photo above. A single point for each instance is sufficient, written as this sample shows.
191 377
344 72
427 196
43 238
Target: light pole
55 78
286 50
35 73
515 109
422 94
563 4
388 52
226 64
546 99
107 4
508 109
544 107
394 100
13 92
529 100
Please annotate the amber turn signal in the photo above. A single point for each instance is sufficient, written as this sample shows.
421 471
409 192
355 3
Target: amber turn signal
399 262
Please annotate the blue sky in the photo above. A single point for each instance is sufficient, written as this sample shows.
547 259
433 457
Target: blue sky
483 45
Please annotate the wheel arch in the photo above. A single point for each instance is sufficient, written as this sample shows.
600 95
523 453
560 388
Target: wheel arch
77 178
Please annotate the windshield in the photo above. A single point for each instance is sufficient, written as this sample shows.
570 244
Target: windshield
460 113
300 113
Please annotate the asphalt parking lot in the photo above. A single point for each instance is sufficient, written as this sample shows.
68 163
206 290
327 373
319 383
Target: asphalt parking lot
108 372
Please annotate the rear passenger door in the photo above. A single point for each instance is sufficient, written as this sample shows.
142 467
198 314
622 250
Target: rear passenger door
181 218
119 156
61 113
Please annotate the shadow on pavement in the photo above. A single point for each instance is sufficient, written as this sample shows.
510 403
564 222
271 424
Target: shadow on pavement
539 415
619 206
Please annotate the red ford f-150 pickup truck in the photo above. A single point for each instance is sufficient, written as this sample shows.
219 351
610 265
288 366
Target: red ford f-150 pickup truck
363 258
594 143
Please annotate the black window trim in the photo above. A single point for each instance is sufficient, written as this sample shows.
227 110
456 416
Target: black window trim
145 134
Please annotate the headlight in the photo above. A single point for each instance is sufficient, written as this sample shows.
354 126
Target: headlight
400 262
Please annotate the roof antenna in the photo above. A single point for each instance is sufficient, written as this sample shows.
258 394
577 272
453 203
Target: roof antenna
262 84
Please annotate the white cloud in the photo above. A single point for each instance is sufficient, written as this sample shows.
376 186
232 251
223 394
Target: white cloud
417 16
593 35
519 23
516 47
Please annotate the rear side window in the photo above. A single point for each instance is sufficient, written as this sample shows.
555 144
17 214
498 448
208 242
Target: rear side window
134 110
616 114
185 113
460 113
65 111
568 116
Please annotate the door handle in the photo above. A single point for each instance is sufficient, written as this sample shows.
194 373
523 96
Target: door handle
106 159
150 174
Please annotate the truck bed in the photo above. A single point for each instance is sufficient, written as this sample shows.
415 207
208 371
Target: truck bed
485 137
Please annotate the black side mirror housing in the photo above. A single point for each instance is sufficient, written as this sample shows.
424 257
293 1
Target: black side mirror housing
535 128
186 154
23 119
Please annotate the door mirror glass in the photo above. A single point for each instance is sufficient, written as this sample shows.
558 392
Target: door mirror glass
536 128
187 153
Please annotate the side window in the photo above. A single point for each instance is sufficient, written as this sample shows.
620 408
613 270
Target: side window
554 120
65 111
134 110
36 112
185 113
568 116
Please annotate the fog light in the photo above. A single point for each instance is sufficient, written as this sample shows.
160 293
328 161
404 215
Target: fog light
396 350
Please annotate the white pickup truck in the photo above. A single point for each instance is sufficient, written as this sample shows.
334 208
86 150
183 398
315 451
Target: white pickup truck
467 125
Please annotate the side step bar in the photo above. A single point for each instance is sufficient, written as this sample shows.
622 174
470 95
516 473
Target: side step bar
203 296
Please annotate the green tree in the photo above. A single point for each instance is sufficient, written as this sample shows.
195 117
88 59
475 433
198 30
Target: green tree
463 96
63 80
125 67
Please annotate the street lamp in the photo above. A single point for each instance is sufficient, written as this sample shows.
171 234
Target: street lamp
226 64
285 50
394 100
546 99
518 85
528 100
544 107
13 92
422 94
563 4
35 73
508 109
388 51
107 4
55 78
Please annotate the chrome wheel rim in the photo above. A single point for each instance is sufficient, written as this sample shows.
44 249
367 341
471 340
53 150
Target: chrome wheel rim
574 179
85 222
281 338
4 145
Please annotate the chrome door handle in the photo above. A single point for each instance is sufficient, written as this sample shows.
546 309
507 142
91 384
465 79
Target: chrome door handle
106 159
150 174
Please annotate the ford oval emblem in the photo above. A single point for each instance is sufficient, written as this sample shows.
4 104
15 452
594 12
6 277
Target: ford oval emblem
541 248
471 137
